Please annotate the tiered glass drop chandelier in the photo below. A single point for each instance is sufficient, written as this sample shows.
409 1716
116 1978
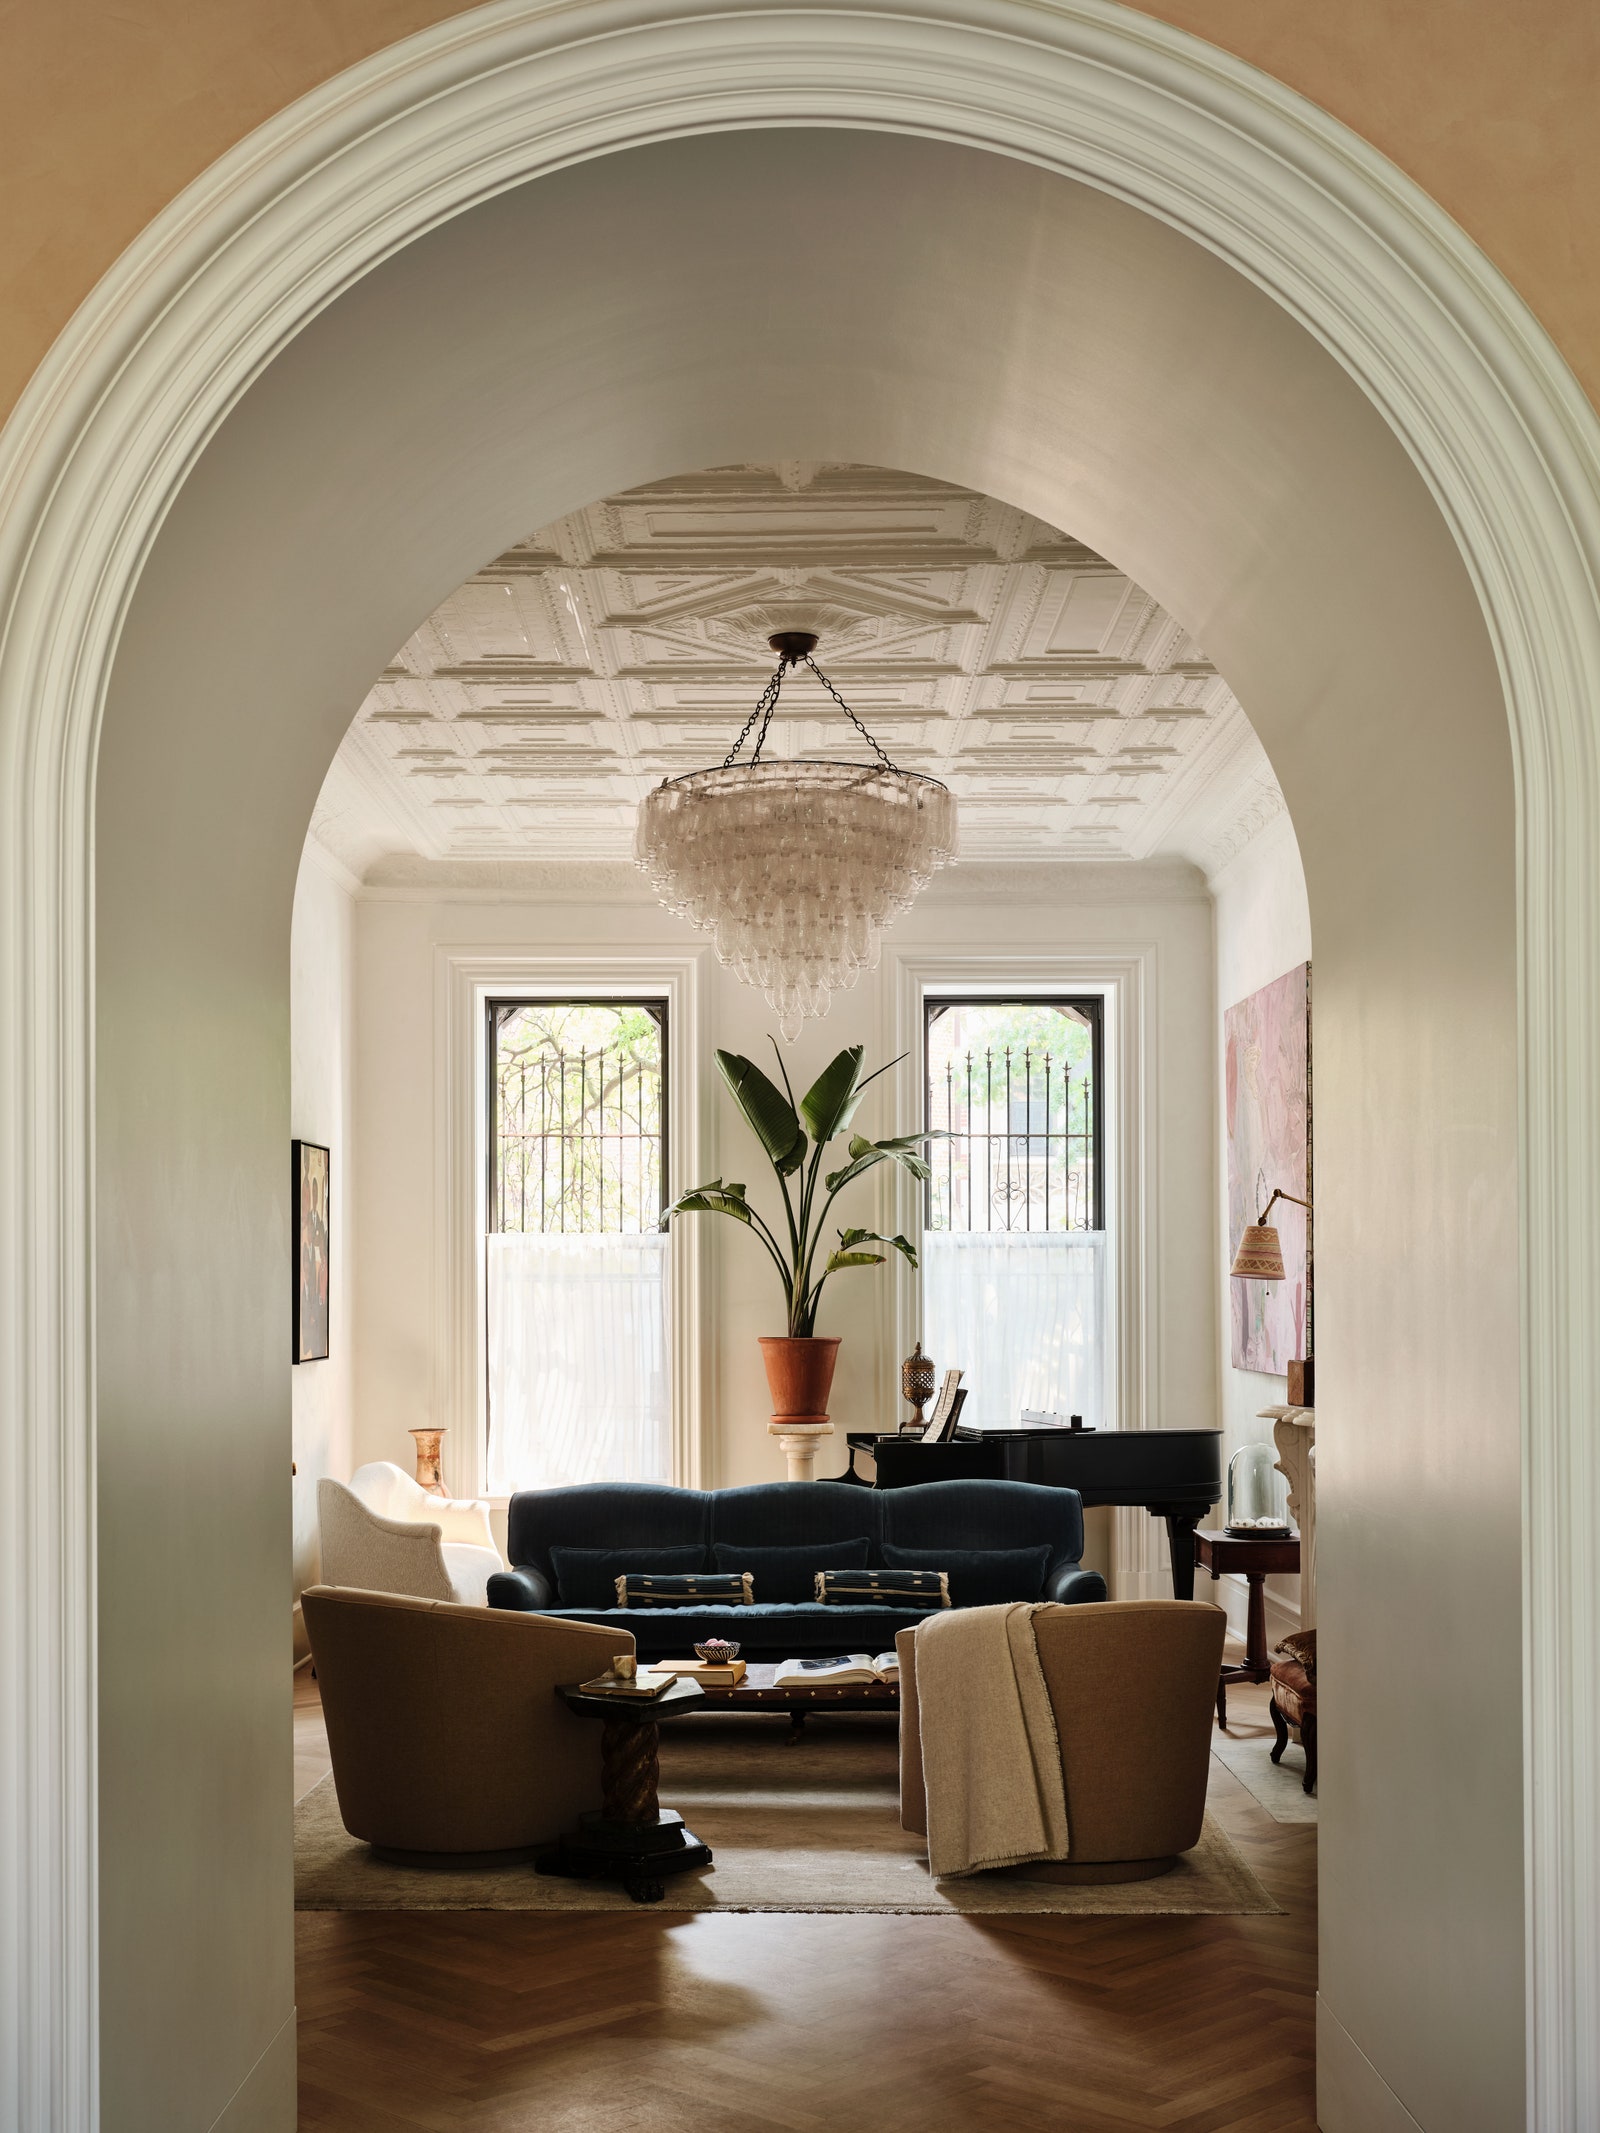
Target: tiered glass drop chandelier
795 867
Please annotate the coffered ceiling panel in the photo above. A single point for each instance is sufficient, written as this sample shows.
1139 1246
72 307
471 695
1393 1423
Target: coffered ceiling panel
627 643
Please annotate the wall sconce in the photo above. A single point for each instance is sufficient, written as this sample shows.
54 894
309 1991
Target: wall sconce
1260 1258
1260 1255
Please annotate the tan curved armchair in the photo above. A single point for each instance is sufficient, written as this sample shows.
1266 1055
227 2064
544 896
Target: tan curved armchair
445 1729
1133 1685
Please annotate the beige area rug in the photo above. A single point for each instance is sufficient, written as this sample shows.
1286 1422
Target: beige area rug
814 1827
1246 1750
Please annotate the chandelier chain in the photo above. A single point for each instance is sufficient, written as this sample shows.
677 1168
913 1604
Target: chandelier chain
766 704
761 717
849 714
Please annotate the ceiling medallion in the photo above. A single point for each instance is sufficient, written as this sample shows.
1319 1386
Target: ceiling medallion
795 867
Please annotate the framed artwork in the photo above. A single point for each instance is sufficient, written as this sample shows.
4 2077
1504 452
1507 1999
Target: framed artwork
1268 1095
312 1227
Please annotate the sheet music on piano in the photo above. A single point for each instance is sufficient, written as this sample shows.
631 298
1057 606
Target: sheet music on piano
947 1411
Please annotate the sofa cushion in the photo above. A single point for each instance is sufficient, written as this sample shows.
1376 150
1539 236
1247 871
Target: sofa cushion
894 1588
794 1514
587 1577
979 1577
787 1576
1301 1648
692 1588
619 1515
982 1515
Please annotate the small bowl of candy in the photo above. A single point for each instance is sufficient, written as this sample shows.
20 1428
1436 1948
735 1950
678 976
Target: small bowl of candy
717 1651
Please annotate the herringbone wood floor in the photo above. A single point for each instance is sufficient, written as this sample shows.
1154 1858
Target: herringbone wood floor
660 2023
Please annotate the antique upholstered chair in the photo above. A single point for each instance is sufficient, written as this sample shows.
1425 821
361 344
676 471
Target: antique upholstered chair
1294 1701
446 1734
1132 1684
387 1534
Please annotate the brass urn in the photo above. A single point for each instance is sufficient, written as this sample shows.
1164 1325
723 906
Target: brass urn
916 1388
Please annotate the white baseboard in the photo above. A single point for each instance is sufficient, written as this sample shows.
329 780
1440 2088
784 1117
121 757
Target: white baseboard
1352 2096
266 2101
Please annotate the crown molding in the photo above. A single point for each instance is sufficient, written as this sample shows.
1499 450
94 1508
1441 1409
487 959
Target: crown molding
1263 805
326 862
402 878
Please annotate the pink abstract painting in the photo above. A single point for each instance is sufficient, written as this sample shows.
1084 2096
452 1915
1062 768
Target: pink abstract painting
1268 1091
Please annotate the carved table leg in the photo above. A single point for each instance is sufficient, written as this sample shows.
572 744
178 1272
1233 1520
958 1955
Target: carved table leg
633 1839
629 1768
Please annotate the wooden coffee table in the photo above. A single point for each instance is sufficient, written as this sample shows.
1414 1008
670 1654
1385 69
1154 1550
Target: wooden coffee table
759 1692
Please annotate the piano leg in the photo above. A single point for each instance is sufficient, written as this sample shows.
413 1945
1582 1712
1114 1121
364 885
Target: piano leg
1180 1541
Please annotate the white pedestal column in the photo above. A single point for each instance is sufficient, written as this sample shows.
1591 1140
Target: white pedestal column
798 1442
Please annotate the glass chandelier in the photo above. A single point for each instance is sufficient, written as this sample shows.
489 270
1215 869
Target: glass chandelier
795 867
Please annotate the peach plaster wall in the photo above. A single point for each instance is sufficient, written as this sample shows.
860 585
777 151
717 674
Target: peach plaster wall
107 111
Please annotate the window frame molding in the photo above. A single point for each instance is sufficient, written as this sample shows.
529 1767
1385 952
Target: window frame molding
466 979
1126 975
1095 994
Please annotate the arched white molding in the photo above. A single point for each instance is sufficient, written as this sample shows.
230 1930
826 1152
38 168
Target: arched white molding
167 342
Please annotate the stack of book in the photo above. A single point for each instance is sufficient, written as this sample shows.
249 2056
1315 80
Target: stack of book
638 1687
710 1673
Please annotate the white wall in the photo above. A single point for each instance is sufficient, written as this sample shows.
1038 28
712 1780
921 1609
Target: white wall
321 1093
1263 928
1161 911
425 419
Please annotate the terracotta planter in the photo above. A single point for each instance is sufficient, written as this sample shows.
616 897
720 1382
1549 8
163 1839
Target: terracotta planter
799 1376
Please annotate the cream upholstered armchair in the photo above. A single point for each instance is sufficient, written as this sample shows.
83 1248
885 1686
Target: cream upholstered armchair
386 1534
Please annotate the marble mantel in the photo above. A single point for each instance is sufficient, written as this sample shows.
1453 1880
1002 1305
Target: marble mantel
1294 1432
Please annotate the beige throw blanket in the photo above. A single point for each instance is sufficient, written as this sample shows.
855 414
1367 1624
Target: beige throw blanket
991 1762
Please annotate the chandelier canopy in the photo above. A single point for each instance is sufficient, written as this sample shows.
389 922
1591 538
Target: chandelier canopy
795 867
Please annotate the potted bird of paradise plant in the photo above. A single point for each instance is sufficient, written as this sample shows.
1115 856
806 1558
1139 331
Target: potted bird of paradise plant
795 1135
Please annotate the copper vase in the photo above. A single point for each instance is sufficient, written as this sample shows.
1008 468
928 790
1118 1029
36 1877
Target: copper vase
799 1376
428 1474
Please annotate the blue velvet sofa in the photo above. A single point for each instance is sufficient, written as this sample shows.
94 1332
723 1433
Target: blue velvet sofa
1000 1540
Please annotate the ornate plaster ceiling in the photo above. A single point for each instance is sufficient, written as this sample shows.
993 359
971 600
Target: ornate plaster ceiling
1074 718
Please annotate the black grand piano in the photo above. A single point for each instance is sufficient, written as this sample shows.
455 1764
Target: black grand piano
1174 1474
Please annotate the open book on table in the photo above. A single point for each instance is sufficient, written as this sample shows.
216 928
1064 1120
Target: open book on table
836 1672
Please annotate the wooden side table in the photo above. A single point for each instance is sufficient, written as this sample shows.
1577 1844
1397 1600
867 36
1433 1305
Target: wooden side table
633 1839
1258 1560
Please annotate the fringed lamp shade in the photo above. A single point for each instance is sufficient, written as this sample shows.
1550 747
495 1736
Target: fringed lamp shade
794 868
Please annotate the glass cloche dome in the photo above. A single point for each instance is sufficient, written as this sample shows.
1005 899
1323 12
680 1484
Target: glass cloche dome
1258 1495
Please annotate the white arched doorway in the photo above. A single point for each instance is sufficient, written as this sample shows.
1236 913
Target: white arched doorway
981 320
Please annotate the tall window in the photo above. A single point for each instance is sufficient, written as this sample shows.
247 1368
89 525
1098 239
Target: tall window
579 1384
1014 1259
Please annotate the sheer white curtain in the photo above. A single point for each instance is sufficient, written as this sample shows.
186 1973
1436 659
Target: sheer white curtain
579 1388
1024 1315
